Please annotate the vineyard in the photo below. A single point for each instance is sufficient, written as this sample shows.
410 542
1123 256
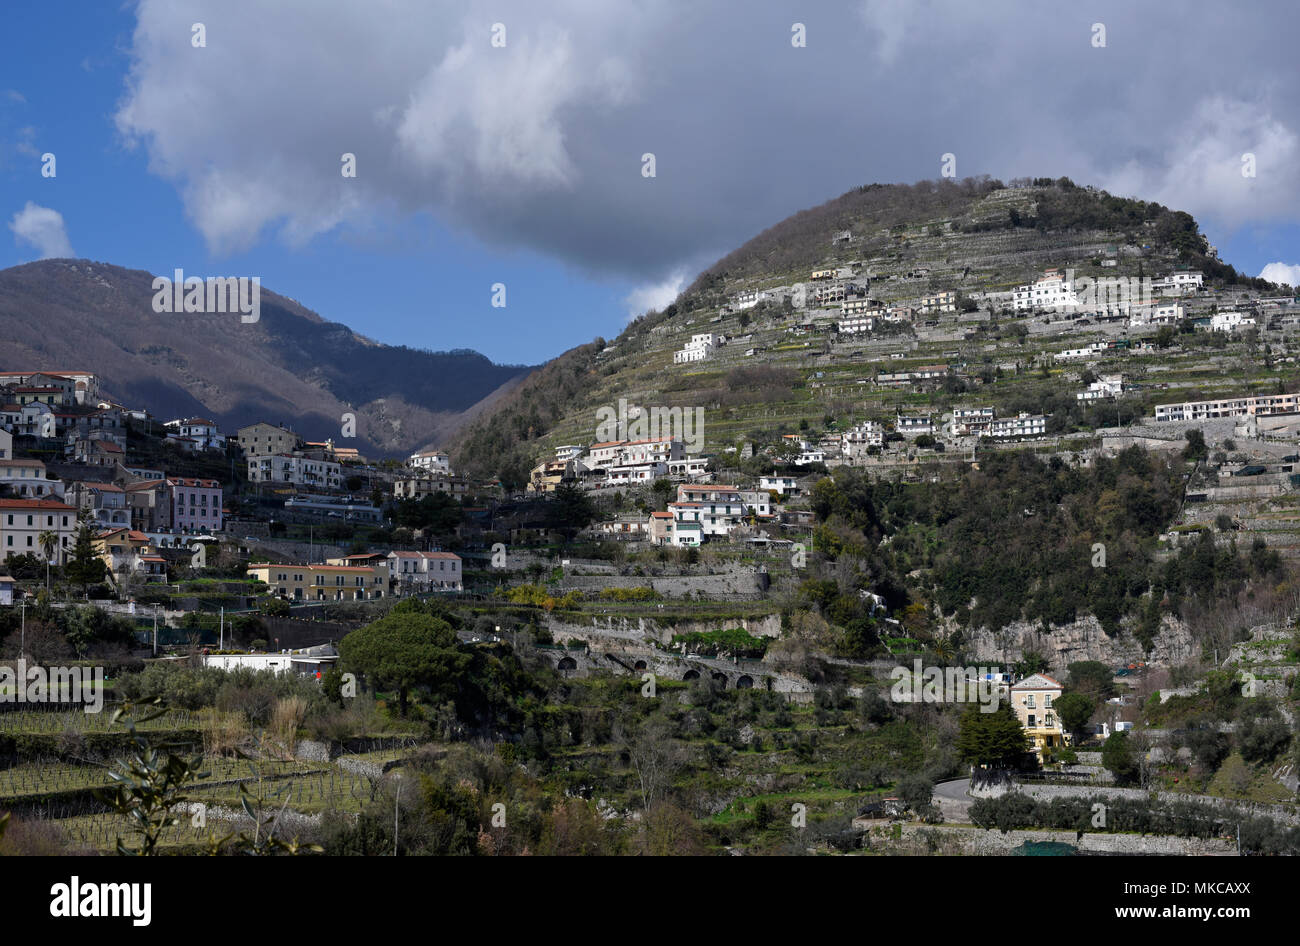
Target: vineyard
49 773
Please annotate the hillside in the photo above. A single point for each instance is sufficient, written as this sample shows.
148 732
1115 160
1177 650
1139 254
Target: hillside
975 237
290 366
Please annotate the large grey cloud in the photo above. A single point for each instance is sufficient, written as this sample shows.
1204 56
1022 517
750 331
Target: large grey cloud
539 144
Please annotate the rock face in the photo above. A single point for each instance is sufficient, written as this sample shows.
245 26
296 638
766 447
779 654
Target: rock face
1083 639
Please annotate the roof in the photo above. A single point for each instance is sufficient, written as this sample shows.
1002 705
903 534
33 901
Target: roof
190 482
22 463
318 568
48 504
423 555
1038 681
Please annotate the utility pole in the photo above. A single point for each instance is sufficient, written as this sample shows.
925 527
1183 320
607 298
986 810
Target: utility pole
22 628
155 629
221 633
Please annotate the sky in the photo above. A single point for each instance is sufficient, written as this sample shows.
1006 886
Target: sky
504 143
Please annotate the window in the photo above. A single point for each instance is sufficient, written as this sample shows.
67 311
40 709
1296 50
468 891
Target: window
1029 700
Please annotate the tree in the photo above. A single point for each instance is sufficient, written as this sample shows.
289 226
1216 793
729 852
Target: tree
572 508
1074 711
48 542
405 651
1119 757
995 739
86 568
1195 449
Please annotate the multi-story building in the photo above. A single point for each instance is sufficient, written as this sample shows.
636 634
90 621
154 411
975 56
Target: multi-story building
306 472
149 504
861 305
262 440
820 274
195 504
424 571
434 461
972 421
699 348
128 552
1229 407
197 433
939 302
857 324
1022 425
913 425
81 386
1179 282
417 487
324 582
569 451
6 444
1106 387
24 521
1031 700
1053 291
27 479
781 485
105 502
714 518
1230 321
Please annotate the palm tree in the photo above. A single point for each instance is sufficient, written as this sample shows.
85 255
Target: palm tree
48 541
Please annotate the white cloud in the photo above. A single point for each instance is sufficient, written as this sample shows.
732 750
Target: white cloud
654 296
1287 274
1200 171
42 228
253 126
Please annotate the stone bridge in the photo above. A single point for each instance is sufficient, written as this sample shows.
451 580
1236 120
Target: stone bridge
727 674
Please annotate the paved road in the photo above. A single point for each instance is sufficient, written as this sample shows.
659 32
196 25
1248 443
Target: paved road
953 801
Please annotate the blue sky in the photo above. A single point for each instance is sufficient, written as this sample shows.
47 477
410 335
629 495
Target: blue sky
521 164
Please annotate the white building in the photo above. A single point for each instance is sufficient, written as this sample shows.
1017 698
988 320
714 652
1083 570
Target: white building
567 452
781 485
1230 322
914 425
26 479
1022 425
293 470
856 324
425 571
1054 291
22 521
971 421
1107 386
434 461
858 439
1180 282
699 348
1229 407
198 433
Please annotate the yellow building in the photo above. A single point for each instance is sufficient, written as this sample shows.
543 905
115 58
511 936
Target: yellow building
324 582
1032 700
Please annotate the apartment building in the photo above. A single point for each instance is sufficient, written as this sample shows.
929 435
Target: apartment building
1053 291
699 348
781 485
1229 407
1022 425
27 479
1179 282
417 487
714 518
294 470
856 325
23 521
195 504
425 571
106 503
433 461
262 440
1106 387
198 433
913 425
939 302
972 421
324 582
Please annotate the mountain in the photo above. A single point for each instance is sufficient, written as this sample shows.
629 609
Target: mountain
291 366
974 237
